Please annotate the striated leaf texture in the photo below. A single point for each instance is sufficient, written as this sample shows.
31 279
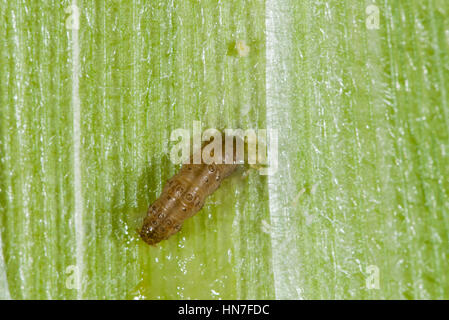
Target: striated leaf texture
357 209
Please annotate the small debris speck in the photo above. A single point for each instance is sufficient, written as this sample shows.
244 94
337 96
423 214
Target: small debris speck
242 48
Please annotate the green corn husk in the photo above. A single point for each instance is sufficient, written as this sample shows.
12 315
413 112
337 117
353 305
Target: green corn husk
358 208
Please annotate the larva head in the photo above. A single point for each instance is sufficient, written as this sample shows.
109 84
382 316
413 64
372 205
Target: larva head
148 235
153 234
162 220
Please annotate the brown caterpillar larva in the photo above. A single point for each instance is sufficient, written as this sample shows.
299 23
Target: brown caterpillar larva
182 197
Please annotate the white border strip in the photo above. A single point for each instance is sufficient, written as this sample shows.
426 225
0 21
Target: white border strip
4 288
78 194
277 25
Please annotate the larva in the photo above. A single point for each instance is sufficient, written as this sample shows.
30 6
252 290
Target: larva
182 197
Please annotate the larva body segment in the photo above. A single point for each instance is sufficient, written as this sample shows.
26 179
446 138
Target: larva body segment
182 197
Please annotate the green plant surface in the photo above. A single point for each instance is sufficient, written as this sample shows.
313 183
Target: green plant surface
362 117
